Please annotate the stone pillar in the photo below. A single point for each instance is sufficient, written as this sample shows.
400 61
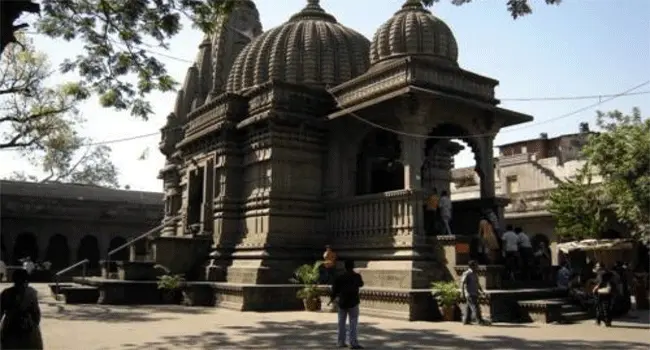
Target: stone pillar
486 167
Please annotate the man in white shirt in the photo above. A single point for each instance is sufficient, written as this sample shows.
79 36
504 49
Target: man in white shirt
28 265
445 208
525 252
511 251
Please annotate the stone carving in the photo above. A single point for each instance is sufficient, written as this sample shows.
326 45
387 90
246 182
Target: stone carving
282 159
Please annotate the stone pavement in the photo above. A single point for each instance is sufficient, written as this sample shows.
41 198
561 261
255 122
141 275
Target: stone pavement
95 327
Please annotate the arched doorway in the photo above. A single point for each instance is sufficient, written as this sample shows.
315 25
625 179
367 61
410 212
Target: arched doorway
58 252
89 249
379 165
121 255
25 245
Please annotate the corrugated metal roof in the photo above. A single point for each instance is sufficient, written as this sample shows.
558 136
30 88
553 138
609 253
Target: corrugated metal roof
78 192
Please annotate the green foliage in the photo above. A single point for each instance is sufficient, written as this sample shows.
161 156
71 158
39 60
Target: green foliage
308 276
41 121
446 293
621 155
578 207
170 282
517 8
117 35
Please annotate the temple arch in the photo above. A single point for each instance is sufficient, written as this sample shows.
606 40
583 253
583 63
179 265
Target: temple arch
58 252
26 245
379 165
122 255
89 249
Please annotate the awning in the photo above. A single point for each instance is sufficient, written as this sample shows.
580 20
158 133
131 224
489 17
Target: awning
596 244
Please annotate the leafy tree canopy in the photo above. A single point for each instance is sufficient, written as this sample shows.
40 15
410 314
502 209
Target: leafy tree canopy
620 155
117 36
40 122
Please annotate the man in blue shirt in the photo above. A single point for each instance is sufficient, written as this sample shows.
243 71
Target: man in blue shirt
345 291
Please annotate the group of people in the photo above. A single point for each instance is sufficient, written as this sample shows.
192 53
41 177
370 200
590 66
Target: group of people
439 212
606 290
514 249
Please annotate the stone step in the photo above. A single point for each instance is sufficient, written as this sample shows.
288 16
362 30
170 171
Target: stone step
575 316
74 293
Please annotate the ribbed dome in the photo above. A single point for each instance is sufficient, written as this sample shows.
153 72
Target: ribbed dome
413 31
312 48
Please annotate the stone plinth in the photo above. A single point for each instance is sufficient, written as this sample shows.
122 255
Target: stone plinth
182 254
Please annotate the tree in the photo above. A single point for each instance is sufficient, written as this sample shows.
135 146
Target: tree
40 122
621 155
578 207
117 36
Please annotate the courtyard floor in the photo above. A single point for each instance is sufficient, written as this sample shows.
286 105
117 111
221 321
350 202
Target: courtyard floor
94 327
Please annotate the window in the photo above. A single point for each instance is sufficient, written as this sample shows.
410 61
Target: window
524 149
512 184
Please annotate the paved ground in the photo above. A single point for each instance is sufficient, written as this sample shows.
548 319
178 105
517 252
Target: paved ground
94 327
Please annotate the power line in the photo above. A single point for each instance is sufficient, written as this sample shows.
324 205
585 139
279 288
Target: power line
511 99
566 115
525 126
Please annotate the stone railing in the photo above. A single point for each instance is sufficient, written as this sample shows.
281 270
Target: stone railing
514 159
382 214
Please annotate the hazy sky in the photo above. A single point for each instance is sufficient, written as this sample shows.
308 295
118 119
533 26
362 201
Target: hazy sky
582 47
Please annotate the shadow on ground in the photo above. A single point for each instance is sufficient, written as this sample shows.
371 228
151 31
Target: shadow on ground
117 314
313 335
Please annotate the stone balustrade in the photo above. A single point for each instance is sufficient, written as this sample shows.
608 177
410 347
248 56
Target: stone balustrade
390 213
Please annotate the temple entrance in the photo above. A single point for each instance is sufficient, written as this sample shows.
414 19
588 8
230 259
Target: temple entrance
121 255
58 252
379 164
26 245
195 196
89 249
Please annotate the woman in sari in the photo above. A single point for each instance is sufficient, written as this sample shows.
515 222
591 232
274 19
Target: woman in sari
21 315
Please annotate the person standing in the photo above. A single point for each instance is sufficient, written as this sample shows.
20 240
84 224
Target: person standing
445 208
470 288
329 264
21 315
345 292
489 240
604 291
525 252
432 211
511 245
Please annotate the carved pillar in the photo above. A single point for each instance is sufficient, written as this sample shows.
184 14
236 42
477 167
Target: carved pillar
412 158
486 166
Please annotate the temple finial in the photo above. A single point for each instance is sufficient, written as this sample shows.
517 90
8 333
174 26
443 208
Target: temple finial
413 3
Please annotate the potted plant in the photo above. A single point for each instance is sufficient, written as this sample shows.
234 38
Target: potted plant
308 275
171 286
447 295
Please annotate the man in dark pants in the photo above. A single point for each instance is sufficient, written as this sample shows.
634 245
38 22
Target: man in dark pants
345 291
470 288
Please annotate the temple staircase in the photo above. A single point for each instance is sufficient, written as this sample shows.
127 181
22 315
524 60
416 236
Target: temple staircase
134 279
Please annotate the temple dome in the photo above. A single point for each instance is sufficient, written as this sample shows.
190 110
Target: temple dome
414 31
312 48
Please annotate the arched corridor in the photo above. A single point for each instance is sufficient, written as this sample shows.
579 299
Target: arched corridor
24 246
379 164
89 249
58 252
121 255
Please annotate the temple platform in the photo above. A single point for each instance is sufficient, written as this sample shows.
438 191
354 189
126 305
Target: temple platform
520 305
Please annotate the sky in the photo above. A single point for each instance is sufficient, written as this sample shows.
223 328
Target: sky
579 48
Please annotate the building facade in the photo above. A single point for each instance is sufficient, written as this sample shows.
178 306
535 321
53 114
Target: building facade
527 172
66 223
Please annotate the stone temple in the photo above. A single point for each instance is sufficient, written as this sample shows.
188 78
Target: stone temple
307 134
